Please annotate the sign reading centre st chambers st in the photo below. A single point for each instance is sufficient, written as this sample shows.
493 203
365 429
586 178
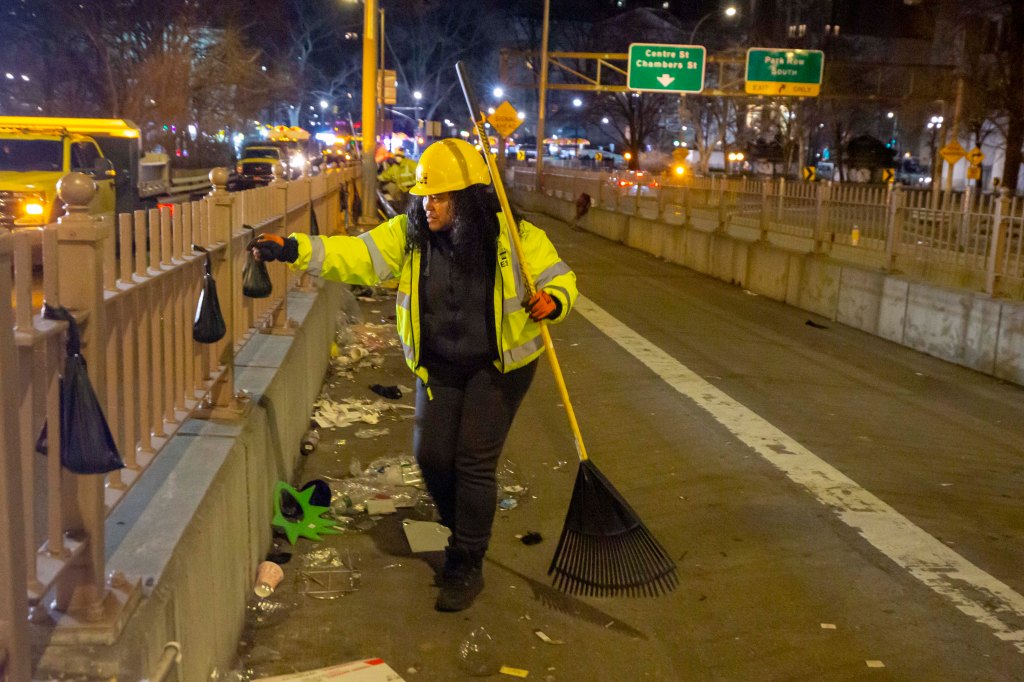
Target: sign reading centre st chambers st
665 68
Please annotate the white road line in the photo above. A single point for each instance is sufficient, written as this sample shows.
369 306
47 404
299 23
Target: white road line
970 589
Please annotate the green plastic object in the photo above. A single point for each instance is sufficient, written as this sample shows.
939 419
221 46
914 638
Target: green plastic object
310 524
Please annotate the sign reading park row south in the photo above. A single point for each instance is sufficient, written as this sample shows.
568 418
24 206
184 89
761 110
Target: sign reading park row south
796 73
665 68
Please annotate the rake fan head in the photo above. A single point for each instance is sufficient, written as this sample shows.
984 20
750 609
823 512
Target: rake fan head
605 550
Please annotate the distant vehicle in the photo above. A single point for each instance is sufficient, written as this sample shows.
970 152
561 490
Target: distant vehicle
911 173
600 156
37 151
256 164
633 182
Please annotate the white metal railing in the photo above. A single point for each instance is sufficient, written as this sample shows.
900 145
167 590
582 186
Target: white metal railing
132 285
951 238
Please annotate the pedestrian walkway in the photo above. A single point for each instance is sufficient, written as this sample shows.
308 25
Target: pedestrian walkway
388 611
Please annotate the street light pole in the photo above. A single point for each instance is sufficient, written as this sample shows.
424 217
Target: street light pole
542 95
729 12
369 199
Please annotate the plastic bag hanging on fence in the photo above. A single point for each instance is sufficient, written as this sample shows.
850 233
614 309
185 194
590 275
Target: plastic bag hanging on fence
314 224
87 446
255 278
208 325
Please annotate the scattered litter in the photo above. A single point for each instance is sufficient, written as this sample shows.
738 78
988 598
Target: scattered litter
380 506
369 670
277 555
547 640
945 485
748 292
507 503
530 538
330 583
309 442
392 392
321 496
307 521
828 626
560 465
262 613
812 323
326 557
875 664
372 433
339 414
477 655
513 672
425 536
393 566
268 576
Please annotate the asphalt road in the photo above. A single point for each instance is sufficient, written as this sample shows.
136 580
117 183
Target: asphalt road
839 507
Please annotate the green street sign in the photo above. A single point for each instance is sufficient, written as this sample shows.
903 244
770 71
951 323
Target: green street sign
784 72
665 68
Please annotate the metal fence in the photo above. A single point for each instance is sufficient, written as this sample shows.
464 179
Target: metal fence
132 285
963 239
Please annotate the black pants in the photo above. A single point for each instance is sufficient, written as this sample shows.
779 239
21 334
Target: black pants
457 442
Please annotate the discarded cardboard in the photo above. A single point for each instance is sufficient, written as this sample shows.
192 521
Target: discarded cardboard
375 505
425 536
369 670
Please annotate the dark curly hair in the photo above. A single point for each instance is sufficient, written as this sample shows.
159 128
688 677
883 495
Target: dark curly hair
474 229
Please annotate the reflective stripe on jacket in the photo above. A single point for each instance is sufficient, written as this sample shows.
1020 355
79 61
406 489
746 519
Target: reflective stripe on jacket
381 254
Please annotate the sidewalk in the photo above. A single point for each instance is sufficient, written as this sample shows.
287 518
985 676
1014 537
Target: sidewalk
390 615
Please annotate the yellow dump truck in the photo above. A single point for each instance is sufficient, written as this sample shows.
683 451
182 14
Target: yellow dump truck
36 151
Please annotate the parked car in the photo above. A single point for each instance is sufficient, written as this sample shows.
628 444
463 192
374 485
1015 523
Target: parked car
632 182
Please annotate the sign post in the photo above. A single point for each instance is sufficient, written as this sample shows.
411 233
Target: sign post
666 68
796 73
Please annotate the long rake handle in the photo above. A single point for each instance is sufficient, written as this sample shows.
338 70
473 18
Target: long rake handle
478 119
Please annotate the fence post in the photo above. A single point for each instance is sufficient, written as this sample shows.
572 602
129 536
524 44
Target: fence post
997 244
279 321
822 195
893 226
225 402
80 254
780 203
722 213
13 599
765 217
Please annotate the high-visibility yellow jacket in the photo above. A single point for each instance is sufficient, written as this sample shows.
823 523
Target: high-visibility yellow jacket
381 254
402 173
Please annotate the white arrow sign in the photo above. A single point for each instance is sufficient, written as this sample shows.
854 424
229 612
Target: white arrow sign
665 80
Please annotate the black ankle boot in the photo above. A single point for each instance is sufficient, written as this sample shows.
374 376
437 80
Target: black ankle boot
461 580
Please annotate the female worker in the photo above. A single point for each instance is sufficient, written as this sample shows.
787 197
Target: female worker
468 335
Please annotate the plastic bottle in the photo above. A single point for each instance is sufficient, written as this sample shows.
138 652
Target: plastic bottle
478 654
310 441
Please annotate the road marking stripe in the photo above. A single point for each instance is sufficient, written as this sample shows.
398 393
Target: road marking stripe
972 590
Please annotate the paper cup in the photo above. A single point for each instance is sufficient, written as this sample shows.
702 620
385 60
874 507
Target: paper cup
268 576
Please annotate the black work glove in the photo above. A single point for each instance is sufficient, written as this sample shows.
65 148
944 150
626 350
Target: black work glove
267 247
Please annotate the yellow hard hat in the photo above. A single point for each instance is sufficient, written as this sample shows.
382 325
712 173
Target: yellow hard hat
449 165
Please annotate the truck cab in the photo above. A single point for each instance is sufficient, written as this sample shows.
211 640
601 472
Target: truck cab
33 158
256 163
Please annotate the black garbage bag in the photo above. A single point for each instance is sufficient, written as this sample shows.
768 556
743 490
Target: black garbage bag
255 278
87 446
208 325
314 224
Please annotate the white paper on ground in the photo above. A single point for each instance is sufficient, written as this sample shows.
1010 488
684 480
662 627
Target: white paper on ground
425 536
369 670
380 506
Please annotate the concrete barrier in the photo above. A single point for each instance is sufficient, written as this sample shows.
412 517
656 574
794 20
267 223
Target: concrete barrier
194 527
956 323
